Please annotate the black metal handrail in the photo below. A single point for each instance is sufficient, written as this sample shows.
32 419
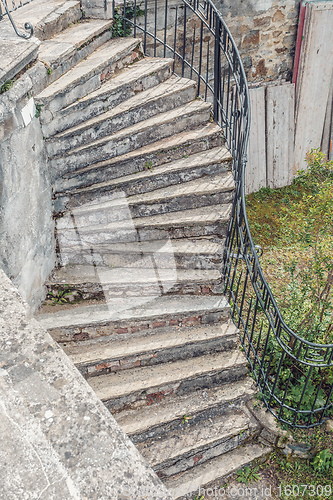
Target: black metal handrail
294 376
6 9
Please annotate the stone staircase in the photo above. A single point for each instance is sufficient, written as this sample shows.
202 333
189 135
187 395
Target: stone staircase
142 198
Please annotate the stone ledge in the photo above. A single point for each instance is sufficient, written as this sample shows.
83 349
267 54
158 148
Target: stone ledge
58 439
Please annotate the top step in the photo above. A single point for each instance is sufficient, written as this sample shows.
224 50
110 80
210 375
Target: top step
89 74
48 17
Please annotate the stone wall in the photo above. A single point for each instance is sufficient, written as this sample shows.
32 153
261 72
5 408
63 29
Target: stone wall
265 33
101 9
27 252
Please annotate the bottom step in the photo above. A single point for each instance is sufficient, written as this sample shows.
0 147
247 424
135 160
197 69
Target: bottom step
213 472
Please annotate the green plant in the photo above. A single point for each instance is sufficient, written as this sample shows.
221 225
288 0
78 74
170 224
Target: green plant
248 475
185 419
6 86
323 461
148 166
197 497
49 71
120 27
61 296
38 110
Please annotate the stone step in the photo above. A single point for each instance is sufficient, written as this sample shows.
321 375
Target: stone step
121 352
214 472
197 253
48 18
197 222
167 150
142 75
93 281
149 422
140 386
193 443
164 125
67 323
164 97
204 191
186 169
72 45
88 75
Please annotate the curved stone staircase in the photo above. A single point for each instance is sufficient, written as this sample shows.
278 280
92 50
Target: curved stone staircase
142 197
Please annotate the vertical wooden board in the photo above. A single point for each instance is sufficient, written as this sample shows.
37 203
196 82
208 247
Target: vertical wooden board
326 143
280 102
313 83
255 173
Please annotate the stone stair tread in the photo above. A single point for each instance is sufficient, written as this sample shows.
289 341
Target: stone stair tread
122 383
167 88
195 216
129 74
125 345
215 469
192 439
188 246
204 185
206 158
103 56
71 39
85 273
203 132
133 308
139 420
150 123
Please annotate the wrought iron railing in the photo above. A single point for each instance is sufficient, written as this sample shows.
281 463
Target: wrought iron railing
9 6
294 376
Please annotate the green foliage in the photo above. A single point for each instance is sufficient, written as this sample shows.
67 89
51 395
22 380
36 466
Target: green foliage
248 475
120 27
61 297
185 419
148 166
6 86
49 71
323 461
38 110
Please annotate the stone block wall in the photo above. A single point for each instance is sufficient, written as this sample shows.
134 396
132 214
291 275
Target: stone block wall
27 252
265 33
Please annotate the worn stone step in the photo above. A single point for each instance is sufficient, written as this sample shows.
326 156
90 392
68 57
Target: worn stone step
88 75
213 472
48 18
193 443
189 116
142 75
141 386
196 253
128 315
204 191
92 281
162 151
197 222
72 45
166 96
213 161
121 352
149 422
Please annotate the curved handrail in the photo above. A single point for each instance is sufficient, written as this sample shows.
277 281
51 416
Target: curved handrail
27 26
287 368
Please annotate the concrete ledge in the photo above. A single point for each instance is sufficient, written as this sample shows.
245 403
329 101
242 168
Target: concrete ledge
58 440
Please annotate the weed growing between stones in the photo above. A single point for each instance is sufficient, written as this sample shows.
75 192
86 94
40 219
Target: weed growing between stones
6 86
121 28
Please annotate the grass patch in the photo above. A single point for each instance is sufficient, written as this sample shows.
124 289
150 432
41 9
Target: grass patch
294 225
